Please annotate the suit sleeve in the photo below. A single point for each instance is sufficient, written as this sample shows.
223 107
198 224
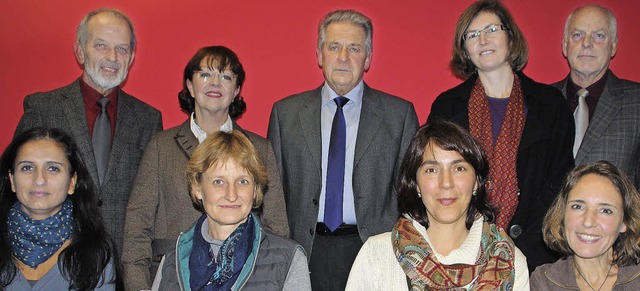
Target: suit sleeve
438 110
30 118
408 131
140 219
273 134
274 208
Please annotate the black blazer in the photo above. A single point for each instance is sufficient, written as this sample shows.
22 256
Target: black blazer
544 157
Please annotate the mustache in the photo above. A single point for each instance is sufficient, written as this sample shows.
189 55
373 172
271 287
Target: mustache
106 63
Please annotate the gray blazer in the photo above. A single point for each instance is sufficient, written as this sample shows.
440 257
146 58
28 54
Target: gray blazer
136 122
387 125
160 207
614 130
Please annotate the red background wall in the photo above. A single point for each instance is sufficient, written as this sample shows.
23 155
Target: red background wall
275 41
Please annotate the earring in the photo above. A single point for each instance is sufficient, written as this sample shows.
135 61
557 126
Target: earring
419 195
474 192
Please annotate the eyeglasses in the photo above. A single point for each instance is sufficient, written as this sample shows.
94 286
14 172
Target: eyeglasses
489 31
206 74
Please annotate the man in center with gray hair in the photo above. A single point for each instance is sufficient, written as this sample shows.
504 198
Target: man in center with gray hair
339 149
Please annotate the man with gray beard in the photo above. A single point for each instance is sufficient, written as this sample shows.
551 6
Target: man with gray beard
111 127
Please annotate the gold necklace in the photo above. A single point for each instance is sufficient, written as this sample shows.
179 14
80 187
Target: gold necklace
585 279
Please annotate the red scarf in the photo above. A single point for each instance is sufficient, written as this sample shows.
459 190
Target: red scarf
502 186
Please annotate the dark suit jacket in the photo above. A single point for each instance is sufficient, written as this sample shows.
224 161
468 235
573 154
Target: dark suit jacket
160 207
545 155
387 125
614 130
136 122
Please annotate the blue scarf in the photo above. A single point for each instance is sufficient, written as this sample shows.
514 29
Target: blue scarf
35 241
221 273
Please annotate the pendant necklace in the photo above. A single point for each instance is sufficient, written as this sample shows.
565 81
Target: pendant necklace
585 279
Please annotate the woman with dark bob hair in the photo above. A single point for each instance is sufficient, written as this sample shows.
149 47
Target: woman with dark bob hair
595 223
159 208
446 237
227 248
524 126
51 233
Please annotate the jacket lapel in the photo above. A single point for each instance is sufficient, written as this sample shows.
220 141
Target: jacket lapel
606 110
533 130
185 139
74 112
125 121
310 121
369 122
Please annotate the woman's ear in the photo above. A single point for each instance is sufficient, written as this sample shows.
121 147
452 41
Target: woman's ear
13 186
72 184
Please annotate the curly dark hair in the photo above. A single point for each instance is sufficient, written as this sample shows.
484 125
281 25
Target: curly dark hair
218 57
450 137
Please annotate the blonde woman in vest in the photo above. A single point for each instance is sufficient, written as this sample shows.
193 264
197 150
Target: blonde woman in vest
227 248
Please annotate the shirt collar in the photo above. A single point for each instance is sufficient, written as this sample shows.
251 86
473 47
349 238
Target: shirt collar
355 95
595 89
91 96
227 126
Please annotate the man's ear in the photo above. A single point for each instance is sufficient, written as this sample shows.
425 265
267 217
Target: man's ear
319 55
133 55
79 52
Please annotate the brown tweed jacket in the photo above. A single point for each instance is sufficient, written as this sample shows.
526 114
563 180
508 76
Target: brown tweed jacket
160 206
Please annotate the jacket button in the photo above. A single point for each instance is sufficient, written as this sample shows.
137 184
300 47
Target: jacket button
515 231
311 231
100 202
315 201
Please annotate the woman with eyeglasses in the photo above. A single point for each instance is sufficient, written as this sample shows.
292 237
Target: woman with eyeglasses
524 126
158 208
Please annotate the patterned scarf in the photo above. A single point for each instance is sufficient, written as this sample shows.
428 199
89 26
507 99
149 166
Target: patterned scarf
494 268
221 273
34 241
502 185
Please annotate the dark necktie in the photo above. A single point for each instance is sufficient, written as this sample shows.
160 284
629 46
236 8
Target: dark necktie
581 116
335 168
101 138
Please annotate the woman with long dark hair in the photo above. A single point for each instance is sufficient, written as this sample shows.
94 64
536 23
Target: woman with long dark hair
51 232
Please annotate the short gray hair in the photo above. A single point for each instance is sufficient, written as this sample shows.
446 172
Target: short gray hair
82 34
613 23
351 16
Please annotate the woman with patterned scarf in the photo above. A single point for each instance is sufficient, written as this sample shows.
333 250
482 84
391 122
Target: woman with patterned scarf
227 248
524 126
446 238
51 231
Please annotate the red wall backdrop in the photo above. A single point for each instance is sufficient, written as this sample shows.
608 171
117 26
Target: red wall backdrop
276 44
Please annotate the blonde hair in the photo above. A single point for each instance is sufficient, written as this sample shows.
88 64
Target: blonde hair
219 148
